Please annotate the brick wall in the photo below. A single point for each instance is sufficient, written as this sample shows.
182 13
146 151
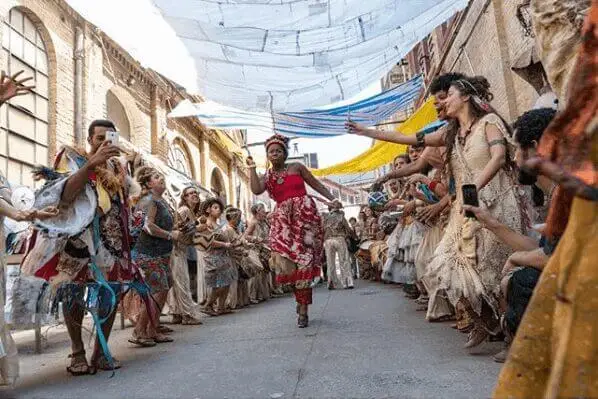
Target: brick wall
486 44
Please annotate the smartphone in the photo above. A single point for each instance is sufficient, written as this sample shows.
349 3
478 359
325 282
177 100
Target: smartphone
470 197
112 137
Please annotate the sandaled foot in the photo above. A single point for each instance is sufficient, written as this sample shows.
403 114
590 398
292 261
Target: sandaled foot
162 339
177 319
190 321
303 321
225 311
103 364
143 342
79 364
476 337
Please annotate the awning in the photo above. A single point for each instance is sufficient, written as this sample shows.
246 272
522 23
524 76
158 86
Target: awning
383 153
284 55
311 123
228 143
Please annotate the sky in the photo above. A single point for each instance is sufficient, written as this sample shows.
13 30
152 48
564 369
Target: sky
139 28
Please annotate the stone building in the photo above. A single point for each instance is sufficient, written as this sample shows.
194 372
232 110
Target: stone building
492 38
81 75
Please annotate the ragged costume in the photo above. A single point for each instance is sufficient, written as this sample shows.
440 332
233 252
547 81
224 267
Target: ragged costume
87 245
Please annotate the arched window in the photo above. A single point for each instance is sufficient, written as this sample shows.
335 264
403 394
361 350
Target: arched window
217 185
24 120
115 112
178 159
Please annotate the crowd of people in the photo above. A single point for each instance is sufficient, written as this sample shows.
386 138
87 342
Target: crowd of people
497 223
106 237
484 223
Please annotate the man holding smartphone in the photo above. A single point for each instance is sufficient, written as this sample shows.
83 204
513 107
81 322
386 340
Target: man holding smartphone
94 248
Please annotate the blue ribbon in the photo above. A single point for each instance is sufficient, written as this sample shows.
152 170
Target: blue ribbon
94 295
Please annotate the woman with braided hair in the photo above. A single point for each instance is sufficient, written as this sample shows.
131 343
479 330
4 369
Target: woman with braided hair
468 261
296 235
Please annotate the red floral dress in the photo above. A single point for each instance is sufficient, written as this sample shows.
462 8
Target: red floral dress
296 234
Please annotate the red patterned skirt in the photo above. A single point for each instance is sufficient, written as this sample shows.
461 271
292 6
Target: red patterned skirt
296 240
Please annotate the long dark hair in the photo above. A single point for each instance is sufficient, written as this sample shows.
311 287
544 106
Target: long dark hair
478 88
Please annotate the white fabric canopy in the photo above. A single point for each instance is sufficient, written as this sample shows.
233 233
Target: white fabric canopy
286 55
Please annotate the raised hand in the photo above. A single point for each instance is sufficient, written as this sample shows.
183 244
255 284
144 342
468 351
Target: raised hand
103 154
11 86
418 178
428 213
355 128
250 162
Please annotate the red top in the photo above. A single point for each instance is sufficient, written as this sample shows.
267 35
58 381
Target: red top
293 186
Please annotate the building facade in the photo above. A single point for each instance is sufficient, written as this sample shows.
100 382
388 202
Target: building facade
81 75
492 38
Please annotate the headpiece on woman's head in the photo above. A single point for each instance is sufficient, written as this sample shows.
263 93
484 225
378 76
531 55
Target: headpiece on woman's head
280 140
479 90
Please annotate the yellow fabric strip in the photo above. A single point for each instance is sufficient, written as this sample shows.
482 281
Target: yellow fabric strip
383 153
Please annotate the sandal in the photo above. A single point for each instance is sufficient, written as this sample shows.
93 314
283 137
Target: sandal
225 311
162 339
79 364
177 319
102 363
303 321
143 342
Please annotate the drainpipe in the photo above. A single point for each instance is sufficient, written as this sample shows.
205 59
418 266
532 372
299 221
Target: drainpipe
79 56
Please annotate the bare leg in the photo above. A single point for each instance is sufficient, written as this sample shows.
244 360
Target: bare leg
152 329
106 329
143 321
73 318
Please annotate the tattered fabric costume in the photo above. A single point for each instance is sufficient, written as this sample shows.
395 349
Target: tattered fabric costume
88 243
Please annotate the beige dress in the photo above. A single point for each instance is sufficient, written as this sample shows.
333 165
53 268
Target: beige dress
261 284
180 300
469 260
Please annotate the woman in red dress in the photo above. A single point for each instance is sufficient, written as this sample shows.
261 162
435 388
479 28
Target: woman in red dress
296 235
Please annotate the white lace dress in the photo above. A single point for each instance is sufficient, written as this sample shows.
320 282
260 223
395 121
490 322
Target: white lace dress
468 261
9 362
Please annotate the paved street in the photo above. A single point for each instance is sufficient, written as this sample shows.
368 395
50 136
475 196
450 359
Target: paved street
369 342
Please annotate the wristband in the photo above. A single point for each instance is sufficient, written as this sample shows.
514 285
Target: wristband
433 185
421 139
